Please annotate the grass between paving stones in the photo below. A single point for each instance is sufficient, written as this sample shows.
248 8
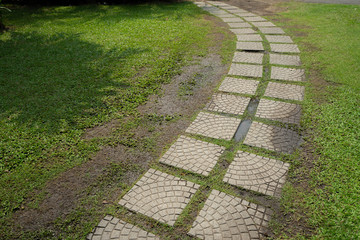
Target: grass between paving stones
65 69
328 36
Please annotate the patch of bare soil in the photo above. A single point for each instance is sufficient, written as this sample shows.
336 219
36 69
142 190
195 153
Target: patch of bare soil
65 191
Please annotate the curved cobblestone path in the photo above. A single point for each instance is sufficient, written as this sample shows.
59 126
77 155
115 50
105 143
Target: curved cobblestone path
257 109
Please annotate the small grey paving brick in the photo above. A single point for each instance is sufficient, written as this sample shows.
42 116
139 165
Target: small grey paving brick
255 46
272 138
285 91
247 57
263 24
227 103
284 48
112 228
257 173
230 8
214 126
159 196
255 19
278 39
242 30
271 30
236 11
227 217
246 70
226 15
279 111
193 155
246 14
239 25
283 59
249 37
238 85
289 74
232 20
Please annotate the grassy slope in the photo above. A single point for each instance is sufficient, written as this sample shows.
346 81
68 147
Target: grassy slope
65 69
331 46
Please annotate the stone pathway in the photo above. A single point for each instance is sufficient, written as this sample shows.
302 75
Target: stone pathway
260 101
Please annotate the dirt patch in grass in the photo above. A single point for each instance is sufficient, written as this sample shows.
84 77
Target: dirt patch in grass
173 109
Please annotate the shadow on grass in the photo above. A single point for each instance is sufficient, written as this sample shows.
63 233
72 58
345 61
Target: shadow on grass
51 83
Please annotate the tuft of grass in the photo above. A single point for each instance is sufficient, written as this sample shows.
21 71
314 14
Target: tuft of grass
329 41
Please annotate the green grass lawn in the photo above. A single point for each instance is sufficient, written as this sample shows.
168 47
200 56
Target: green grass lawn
65 69
329 40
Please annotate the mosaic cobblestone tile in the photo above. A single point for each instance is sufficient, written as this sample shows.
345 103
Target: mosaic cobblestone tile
249 37
227 217
263 24
112 228
239 25
254 46
236 11
159 196
273 138
246 14
257 173
271 30
232 20
285 91
283 59
230 7
289 74
214 126
284 48
227 15
248 57
238 85
242 30
255 19
227 103
278 39
193 155
279 111
246 70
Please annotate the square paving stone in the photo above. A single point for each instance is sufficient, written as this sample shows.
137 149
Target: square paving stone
227 103
236 11
193 155
159 196
113 228
255 46
227 15
263 24
273 138
246 70
249 37
279 111
254 19
284 48
238 85
246 14
271 30
257 173
278 39
285 91
247 57
230 8
283 59
239 25
242 30
227 217
214 126
233 20
289 74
